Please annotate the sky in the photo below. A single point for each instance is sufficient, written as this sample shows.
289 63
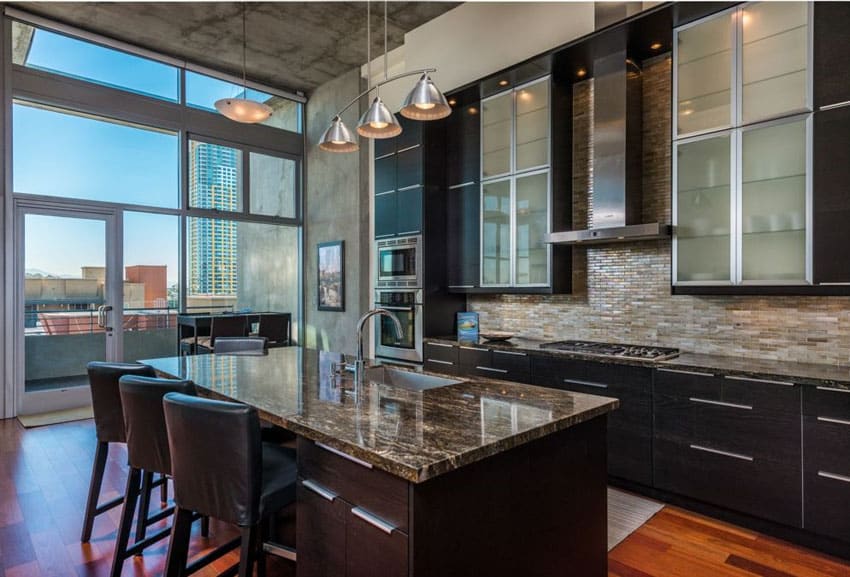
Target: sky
63 155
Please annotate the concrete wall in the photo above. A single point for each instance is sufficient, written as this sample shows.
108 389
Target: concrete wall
336 208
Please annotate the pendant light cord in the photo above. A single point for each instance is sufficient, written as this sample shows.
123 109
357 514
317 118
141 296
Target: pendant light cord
385 39
244 51
368 45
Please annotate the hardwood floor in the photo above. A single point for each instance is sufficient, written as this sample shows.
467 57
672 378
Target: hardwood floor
44 475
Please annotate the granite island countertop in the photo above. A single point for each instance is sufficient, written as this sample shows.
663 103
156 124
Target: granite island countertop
415 435
815 374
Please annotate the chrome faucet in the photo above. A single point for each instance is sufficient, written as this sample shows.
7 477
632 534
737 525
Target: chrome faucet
360 362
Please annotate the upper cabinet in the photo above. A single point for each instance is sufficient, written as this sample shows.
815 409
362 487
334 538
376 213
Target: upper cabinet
742 193
515 187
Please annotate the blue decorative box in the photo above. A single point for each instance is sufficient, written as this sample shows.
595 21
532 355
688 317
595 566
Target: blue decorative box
467 326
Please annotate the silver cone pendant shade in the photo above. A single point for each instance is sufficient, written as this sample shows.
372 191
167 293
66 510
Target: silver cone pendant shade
378 121
243 110
425 102
337 138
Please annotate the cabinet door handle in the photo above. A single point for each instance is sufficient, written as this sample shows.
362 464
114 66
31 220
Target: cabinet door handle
319 490
834 476
373 520
832 106
454 186
409 187
475 349
497 351
344 455
720 404
832 420
586 383
408 232
723 453
681 372
457 286
439 362
768 381
492 370
407 148
384 235
444 345
384 192
833 389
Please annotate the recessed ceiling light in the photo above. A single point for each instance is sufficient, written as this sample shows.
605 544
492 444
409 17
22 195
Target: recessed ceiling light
581 72
452 101
503 82
655 45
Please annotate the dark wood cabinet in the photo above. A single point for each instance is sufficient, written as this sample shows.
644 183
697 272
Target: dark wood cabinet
441 358
831 57
408 215
321 531
371 551
408 167
463 141
495 364
385 214
730 442
831 195
630 426
385 174
464 239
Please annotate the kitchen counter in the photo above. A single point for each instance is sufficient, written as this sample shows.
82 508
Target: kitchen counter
814 374
415 435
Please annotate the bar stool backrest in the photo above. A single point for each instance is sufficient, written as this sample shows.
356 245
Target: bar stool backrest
106 400
251 346
275 327
228 326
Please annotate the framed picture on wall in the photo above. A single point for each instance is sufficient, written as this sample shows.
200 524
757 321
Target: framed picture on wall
331 285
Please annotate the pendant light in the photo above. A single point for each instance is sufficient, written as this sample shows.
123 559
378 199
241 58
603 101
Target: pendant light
243 109
425 102
378 121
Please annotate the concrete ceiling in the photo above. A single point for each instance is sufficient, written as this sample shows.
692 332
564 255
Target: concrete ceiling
291 45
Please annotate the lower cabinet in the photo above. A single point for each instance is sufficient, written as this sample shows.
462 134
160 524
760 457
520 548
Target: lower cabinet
630 426
826 461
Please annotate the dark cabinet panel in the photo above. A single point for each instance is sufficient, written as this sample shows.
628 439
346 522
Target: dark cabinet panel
474 356
463 139
385 174
826 402
826 463
831 58
321 534
827 501
385 214
370 551
409 211
409 167
831 193
555 373
384 146
441 352
464 239
754 486
411 133
511 360
630 454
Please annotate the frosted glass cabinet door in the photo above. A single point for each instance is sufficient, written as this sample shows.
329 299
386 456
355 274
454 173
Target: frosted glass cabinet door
532 126
496 121
496 233
704 210
773 203
775 59
532 223
704 75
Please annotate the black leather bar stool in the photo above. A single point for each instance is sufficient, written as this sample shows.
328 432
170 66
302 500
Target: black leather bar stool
109 428
221 468
147 452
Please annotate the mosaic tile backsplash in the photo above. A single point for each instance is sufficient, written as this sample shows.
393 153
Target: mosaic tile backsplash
621 292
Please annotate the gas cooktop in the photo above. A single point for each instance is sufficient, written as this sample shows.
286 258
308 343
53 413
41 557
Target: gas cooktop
613 350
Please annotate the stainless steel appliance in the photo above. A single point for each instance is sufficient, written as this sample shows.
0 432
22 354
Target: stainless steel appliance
613 350
406 305
399 262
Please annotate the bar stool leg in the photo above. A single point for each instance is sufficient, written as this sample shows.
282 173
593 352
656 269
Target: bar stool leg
144 506
248 550
100 455
127 511
178 546
163 491
205 526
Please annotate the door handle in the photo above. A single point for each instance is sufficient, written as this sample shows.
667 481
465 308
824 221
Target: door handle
101 317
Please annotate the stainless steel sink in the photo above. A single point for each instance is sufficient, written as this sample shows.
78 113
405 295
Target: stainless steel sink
406 379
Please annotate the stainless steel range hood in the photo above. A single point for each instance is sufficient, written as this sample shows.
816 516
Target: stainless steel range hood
616 198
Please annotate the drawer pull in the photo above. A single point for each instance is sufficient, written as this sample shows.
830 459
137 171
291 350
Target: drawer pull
408 232
454 186
492 370
681 372
439 362
834 476
720 403
373 520
497 351
768 381
833 389
586 383
476 349
723 453
319 490
444 345
832 420
344 455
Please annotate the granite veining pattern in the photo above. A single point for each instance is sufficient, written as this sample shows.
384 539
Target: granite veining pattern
415 435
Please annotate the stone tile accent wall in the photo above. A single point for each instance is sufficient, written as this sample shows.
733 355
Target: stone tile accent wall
622 292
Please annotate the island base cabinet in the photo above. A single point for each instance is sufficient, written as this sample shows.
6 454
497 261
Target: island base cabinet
371 552
321 534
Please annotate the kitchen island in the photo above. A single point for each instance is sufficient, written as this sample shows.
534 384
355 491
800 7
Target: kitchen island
415 476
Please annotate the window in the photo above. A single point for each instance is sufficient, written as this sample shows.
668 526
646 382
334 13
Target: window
43 50
202 91
273 185
215 177
99 159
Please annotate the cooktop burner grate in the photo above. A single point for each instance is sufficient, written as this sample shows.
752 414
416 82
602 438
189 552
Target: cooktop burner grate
613 350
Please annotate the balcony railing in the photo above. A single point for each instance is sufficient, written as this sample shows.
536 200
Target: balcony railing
70 322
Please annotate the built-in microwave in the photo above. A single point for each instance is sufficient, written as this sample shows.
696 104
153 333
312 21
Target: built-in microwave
399 262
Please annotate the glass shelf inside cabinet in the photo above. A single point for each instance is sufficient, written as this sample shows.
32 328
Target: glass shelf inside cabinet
704 210
704 76
532 224
773 203
496 135
532 126
496 233
774 59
